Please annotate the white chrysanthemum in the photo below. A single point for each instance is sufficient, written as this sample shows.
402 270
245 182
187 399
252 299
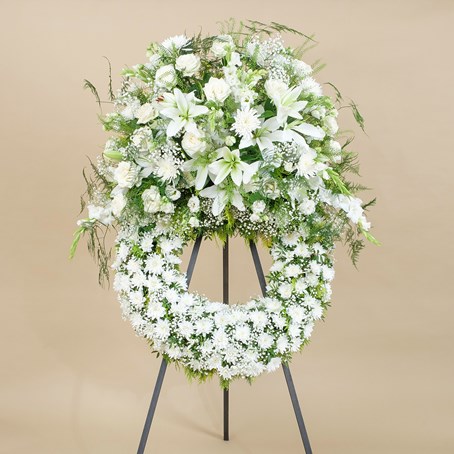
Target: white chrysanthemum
162 329
203 326
265 341
176 42
166 168
292 270
285 290
246 122
186 328
242 333
273 364
155 311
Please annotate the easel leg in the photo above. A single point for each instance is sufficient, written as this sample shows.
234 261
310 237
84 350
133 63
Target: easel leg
225 300
297 409
163 368
151 410
288 375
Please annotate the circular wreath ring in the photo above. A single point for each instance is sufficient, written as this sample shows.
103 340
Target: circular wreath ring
238 340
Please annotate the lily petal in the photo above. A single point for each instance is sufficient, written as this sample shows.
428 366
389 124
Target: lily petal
236 175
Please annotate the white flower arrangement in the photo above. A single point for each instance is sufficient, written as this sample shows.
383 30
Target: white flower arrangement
221 136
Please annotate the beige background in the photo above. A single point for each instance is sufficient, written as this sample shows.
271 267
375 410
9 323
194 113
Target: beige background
378 375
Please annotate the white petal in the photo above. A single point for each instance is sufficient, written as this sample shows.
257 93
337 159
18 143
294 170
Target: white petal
201 178
236 175
250 171
237 201
174 127
310 130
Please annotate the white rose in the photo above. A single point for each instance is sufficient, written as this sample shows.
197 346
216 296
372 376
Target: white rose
188 64
166 77
216 90
331 125
151 199
222 45
194 204
193 142
145 113
126 174
275 88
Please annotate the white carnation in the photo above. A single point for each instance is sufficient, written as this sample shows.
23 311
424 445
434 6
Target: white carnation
151 199
126 174
194 222
100 213
118 203
194 204
258 206
307 206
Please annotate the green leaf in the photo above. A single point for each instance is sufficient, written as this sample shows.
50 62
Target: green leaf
337 181
357 115
92 88
77 236
369 237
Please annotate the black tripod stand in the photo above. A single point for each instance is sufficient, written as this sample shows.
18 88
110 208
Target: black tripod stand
225 299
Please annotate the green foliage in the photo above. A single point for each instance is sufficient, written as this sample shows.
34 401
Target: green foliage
88 85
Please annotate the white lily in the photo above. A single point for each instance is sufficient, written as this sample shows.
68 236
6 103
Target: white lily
231 164
199 162
264 136
221 197
295 131
181 108
285 99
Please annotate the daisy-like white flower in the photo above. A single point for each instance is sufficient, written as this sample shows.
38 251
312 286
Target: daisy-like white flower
246 122
166 168
181 108
230 163
175 42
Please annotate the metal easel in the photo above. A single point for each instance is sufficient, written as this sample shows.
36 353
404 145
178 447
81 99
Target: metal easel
225 300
